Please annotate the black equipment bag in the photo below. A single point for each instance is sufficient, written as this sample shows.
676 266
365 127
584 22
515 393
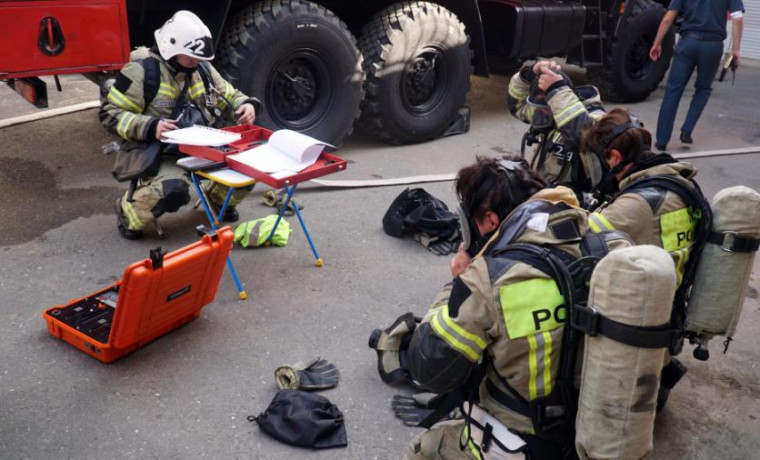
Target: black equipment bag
303 419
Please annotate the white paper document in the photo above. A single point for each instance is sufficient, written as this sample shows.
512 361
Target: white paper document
286 152
200 135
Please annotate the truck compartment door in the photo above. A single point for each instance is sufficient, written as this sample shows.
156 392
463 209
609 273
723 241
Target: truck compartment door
55 37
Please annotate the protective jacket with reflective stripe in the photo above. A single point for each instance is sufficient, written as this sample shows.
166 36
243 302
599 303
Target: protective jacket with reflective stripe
562 144
506 310
653 215
123 110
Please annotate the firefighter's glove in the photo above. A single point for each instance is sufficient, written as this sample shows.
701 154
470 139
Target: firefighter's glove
440 246
316 374
413 409
390 345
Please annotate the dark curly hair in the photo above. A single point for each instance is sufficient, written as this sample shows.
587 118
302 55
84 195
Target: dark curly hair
485 186
629 143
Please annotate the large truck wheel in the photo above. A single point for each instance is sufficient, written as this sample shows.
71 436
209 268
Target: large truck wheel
628 74
417 60
301 61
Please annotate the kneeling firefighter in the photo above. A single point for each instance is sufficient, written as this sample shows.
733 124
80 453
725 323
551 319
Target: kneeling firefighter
557 111
167 87
497 336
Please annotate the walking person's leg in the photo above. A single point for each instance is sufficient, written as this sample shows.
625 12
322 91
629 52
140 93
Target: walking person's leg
680 73
708 62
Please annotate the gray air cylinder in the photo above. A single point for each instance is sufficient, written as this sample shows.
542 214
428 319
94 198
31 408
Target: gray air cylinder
619 383
723 270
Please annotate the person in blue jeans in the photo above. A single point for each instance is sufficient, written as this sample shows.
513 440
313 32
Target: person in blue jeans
702 31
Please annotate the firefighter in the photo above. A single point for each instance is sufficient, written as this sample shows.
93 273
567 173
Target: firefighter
178 65
546 98
500 311
649 212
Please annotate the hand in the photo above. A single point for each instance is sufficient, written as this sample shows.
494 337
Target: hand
655 52
547 79
538 67
164 126
737 58
459 262
246 114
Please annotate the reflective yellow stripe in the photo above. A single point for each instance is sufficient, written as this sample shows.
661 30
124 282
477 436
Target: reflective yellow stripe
167 89
229 91
517 93
125 122
474 450
533 367
471 345
598 223
116 96
532 306
567 115
547 363
134 221
196 90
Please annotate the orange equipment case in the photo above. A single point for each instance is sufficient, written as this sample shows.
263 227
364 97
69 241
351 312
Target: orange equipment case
154 296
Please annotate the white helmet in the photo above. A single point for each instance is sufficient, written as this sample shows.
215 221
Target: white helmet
185 33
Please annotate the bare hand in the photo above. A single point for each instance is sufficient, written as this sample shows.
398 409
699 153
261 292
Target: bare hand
459 262
737 58
655 52
538 67
547 79
246 114
164 126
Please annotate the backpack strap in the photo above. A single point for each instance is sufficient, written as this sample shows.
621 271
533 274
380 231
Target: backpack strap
152 79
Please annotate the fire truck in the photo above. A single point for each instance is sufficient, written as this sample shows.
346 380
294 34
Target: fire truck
398 70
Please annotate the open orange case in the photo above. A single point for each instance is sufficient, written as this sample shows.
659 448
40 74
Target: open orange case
153 297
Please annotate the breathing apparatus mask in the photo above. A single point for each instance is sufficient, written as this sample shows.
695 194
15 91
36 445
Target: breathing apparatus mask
602 176
472 240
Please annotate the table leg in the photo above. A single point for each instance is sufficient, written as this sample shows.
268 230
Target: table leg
215 225
290 190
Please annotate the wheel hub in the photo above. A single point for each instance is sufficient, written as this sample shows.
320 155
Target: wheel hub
421 80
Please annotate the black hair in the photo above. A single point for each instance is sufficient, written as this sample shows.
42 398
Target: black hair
496 184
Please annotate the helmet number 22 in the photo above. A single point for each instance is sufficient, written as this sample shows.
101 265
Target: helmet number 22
196 46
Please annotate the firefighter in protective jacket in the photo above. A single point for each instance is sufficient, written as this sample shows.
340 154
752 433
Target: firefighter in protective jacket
557 111
649 214
498 310
177 67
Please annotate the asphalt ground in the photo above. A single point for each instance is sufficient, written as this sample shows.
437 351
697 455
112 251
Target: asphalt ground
187 394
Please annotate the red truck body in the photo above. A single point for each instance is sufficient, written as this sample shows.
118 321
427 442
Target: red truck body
42 37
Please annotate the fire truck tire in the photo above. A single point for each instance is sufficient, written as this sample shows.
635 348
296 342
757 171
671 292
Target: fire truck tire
417 61
628 75
301 60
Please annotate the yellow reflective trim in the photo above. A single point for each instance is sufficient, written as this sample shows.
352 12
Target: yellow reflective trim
124 121
547 363
229 91
168 88
532 306
131 214
196 90
116 96
564 117
598 223
447 331
167 93
533 367
517 93
677 229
